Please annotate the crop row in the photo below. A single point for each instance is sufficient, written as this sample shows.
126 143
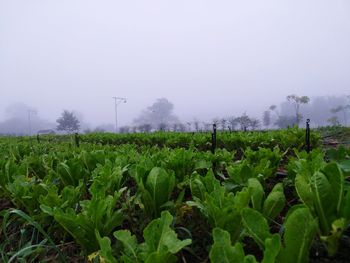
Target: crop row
134 203
284 139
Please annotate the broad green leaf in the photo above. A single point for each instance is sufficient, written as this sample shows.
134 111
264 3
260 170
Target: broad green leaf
332 240
222 250
202 164
345 211
105 249
304 190
81 230
272 248
210 182
64 172
241 199
130 245
197 187
241 173
256 193
345 166
160 238
224 210
336 180
274 202
300 230
249 259
160 185
324 200
256 226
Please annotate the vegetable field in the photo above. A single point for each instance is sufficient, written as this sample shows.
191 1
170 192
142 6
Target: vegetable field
166 197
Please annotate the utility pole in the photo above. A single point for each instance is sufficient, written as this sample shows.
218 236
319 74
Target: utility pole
30 121
117 101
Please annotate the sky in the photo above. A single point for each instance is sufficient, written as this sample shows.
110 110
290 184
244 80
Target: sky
209 58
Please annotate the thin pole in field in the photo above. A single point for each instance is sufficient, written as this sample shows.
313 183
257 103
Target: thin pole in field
117 101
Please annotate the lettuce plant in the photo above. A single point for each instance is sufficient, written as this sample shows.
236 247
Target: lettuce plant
325 193
223 209
156 190
300 228
160 243
272 205
222 251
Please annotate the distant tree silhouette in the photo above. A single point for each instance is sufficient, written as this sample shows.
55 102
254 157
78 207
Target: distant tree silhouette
232 123
285 121
267 118
243 121
159 115
223 123
297 101
344 109
68 122
333 121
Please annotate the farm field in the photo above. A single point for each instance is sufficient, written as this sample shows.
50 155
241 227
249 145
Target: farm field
168 197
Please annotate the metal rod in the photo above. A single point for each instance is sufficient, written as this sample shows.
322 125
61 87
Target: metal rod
307 136
213 139
117 101
76 137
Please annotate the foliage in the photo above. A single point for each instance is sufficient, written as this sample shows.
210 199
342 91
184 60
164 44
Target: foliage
322 189
297 101
112 199
159 115
160 245
223 251
68 122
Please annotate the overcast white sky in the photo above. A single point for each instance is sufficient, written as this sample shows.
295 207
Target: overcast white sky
210 58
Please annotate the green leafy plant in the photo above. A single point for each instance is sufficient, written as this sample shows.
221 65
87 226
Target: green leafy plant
272 205
323 191
156 190
223 209
160 243
222 251
300 228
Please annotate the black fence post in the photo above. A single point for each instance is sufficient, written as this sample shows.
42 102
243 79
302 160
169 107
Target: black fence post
76 137
307 136
38 138
213 139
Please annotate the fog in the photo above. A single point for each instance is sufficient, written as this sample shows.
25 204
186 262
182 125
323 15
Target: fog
208 58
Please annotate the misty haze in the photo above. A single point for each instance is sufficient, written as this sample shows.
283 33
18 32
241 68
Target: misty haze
209 60
165 131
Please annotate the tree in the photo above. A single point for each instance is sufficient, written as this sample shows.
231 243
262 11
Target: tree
254 123
163 126
207 126
333 121
179 127
68 122
223 122
243 121
232 121
216 121
273 108
297 101
196 124
159 115
267 118
285 121
124 129
145 127
344 109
